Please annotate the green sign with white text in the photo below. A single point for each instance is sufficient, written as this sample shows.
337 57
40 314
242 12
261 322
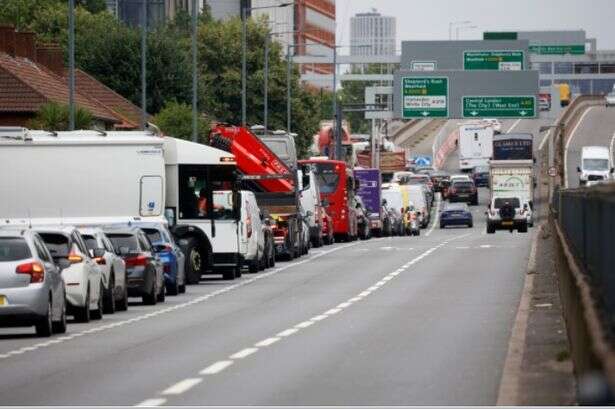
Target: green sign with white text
499 106
574 49
424 97
498 60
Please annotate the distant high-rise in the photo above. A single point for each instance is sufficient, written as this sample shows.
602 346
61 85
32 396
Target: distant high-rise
372 34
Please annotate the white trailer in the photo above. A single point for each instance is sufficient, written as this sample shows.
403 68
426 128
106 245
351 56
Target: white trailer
513 178
80 177
475 145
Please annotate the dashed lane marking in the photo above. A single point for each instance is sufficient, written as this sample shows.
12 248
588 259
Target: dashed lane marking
216 367
150 403
267 342
243 353
182 386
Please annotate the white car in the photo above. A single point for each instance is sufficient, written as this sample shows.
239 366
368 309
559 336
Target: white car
507 213
112 266
83 278
609 99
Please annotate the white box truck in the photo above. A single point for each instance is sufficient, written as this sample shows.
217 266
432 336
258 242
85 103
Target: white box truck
475 145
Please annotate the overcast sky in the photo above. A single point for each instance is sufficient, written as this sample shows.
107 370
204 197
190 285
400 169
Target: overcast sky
429 19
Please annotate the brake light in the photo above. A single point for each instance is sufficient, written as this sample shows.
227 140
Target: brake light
35 270
139 260
249 226
74 258
100 261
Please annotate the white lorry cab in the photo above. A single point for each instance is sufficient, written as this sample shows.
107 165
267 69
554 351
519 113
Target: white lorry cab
309 198
80 178
596 165
203 208
251 234
475 145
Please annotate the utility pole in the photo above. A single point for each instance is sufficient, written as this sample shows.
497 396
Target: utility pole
288 90
266 85
195 85
243 65
336 130
71 65
143 64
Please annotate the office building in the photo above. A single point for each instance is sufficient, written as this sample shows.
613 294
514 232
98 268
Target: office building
372 34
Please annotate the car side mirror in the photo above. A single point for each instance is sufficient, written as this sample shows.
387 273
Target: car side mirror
578 169
124 251
98 253
63 263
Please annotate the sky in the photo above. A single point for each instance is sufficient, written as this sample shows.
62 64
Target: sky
429 19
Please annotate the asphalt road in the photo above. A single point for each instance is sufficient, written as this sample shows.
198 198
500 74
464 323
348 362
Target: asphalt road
595 128
396 321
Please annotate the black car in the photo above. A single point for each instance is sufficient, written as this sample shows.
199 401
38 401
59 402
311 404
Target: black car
480 176
463 191
437 178
144 270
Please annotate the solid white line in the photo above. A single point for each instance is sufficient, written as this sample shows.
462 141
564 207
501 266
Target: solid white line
182 386
333 311
545 139
612 149
514 125
287 332
435 221
151 403
304 324
243 353
216 368
267 342
572 134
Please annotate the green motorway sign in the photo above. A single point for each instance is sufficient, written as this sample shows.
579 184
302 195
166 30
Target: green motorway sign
574 49
424 97
499 106
499 60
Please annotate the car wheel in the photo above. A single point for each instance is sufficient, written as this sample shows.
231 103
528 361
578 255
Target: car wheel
471 225
151 297
272 259
182 289
59 327
172 289
522 229
82 314
44 326
442 225
122 305
490 229
109 297
195 260
97 314
228 273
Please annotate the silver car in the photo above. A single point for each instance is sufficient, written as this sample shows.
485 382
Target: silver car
32 289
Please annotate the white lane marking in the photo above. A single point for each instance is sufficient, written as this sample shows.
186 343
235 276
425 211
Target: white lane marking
435 221
514 125
182 386
612 149
216 368
322 316
167 310
545 139
267 342
287 332
572 134
243 353
344 305
149 403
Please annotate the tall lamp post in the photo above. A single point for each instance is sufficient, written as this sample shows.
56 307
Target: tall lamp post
71 65
460 28
195 123
143 64
244 25
455 23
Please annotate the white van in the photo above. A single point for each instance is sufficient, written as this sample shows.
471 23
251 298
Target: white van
596 165
309 197
251 234
416 195
475 145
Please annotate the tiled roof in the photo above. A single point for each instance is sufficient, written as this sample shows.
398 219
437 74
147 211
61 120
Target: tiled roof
25 86
127 112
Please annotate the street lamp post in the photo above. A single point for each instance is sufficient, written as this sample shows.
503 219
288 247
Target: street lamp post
194 74
71 65
143 64
458 29
244 28
454 23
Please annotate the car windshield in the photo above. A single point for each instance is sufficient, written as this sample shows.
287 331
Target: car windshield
120 240
279 147
501 201
463 184
154 235
90 241
595 164
481 169
57 244
13 249
456 207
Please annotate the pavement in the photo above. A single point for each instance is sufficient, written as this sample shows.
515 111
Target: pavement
394 321
596 127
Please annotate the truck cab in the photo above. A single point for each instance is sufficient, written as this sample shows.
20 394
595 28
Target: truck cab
203 208
596 165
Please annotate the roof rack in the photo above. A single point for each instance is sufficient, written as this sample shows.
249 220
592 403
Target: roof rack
15 132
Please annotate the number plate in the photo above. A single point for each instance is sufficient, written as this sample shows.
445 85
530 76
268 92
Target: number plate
3 300
507 223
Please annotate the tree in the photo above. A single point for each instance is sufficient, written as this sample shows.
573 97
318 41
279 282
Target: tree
55 117
175 120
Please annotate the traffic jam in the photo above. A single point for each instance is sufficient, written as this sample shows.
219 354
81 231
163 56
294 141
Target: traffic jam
170 212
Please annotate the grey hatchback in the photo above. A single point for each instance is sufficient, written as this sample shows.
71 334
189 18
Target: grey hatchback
31 284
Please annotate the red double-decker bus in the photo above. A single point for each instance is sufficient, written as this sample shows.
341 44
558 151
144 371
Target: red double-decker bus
336 185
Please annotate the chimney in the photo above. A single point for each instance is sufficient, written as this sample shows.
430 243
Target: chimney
52 57
24 45
7 40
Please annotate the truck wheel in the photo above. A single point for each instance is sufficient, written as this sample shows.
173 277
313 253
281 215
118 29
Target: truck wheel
522 229
228 273
490 229
252 266
195 260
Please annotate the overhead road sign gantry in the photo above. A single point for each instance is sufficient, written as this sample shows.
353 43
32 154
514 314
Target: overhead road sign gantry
499 106
424 97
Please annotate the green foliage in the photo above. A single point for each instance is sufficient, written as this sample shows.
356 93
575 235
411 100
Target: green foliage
93 6
175 120
55 117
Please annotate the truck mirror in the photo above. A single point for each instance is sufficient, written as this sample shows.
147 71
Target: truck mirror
578 169
612 170
169 214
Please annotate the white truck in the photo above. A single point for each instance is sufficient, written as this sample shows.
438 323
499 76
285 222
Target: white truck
596 165
475 145
514 178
